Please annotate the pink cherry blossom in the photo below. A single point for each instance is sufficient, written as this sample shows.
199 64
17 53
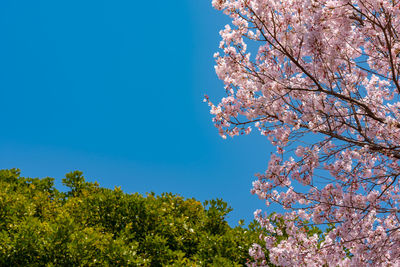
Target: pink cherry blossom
321 82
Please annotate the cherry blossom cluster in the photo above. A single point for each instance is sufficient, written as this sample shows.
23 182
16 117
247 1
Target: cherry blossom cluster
320 79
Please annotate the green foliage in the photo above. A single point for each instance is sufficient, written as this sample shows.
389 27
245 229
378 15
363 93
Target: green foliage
90 225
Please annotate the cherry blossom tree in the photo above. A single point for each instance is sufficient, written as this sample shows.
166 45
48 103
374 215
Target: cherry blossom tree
323 86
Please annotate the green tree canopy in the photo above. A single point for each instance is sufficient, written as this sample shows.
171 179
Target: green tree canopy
90 225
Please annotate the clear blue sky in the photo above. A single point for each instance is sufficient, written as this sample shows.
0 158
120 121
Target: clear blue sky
114 89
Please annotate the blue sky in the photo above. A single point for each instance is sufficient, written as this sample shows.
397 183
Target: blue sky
115 89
